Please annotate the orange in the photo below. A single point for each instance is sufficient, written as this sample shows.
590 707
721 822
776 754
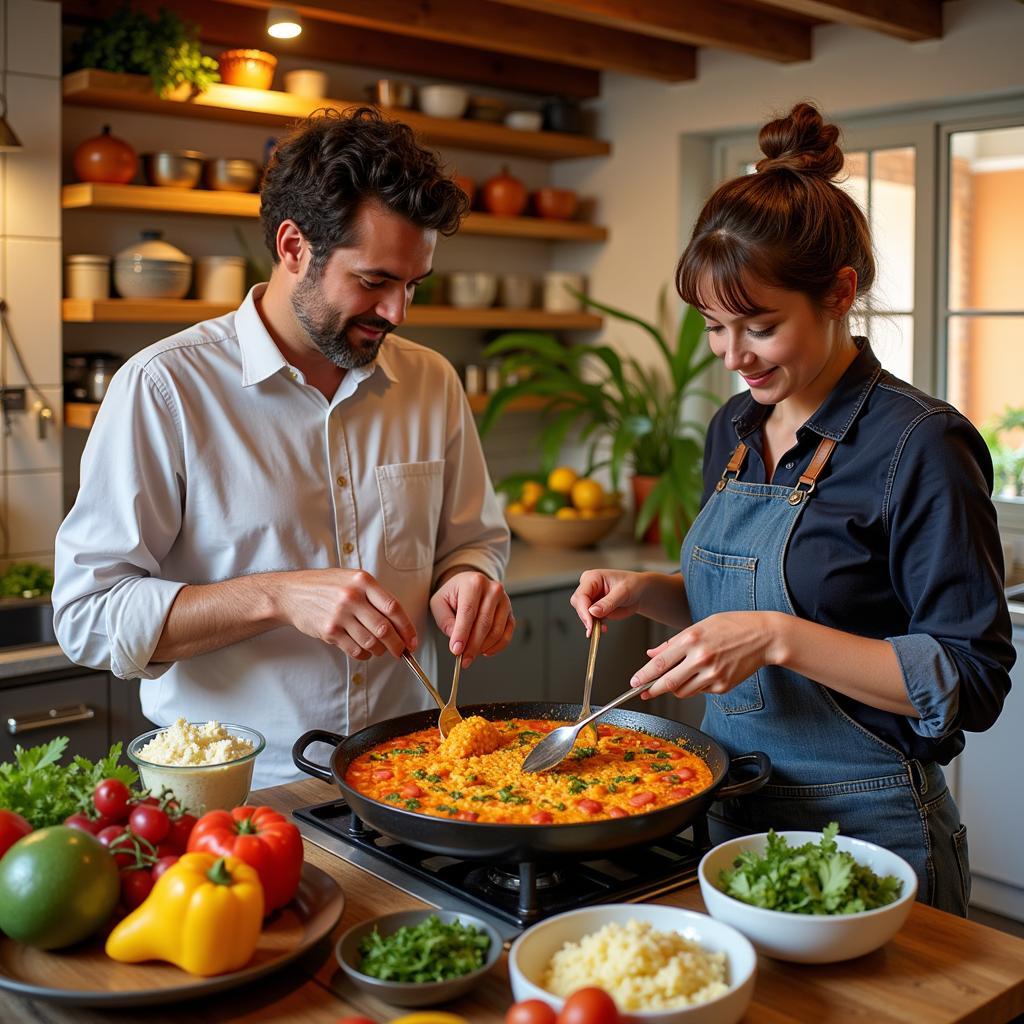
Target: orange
532 490
587 494
517 508
561 479
567 513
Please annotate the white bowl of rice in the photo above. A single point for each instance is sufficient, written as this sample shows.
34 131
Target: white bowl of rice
661 965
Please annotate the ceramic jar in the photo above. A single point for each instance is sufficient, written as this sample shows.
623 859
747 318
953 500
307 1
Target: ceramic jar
557 297
516 291
87 276
306 82
152 269
220 279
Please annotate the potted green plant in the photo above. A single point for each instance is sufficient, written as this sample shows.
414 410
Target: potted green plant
626 412
1003 437
162 46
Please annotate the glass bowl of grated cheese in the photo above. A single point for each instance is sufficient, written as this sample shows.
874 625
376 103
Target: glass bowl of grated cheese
207 765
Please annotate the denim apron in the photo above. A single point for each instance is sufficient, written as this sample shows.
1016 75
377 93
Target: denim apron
825 765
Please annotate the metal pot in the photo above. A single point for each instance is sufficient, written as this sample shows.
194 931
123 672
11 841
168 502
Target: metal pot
517 843
230 174
179 168
391 92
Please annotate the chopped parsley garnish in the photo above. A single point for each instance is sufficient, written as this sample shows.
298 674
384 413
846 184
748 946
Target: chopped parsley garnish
576 784
419 773
526 735
482 797
412 805
447 809
580 753
629 755
660 766
816 878
392 797
627 778
430 951
507 796
455 794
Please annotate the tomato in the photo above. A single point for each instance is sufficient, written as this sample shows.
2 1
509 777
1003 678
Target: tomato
162 864
136 885
642 799
530 1011
111 798
411 791
12 828
261 837
617 812
124 852
588 805
589 1006
82 821
58 885
355 1020
181 829
149 822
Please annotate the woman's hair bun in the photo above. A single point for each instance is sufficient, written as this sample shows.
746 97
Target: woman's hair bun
801 142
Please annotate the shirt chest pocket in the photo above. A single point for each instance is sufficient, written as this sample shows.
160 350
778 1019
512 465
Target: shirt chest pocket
411 497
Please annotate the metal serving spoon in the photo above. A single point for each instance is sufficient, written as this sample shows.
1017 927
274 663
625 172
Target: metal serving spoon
557 745
450 716
422 677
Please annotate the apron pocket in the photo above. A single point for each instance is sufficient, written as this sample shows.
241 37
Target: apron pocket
725 583
411 495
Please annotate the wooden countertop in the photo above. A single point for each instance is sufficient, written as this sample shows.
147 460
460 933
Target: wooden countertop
939 968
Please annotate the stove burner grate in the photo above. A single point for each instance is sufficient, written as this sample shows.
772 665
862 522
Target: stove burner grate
525 894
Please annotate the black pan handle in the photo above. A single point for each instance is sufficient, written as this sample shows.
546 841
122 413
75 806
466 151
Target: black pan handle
318 771
747 786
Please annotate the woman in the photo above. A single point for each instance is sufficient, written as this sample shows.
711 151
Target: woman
843 579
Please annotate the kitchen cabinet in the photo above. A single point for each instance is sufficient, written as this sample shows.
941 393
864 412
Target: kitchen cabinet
991 804
92 709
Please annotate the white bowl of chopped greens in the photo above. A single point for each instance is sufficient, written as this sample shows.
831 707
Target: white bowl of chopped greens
808 897
419 957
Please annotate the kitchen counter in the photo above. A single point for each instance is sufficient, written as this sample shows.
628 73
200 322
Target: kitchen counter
939 968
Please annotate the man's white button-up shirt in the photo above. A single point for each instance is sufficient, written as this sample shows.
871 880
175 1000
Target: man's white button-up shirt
211 458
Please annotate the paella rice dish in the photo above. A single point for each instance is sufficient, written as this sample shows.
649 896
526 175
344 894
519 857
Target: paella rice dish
475 775
639 967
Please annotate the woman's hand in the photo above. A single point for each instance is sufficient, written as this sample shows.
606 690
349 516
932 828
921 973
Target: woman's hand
607 594
711 656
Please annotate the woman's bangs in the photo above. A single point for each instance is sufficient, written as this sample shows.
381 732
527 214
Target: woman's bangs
713 272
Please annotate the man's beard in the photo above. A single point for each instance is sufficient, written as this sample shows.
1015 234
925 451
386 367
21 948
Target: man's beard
329 330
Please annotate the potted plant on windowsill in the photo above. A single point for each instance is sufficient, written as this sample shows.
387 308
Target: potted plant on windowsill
626 412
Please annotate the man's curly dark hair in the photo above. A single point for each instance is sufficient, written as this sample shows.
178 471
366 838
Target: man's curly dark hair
332 162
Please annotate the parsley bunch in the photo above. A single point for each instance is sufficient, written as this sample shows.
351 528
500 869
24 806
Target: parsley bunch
429 951
816 878
44 792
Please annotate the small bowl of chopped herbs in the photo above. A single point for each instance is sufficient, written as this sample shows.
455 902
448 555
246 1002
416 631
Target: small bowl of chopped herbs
419 957
808 897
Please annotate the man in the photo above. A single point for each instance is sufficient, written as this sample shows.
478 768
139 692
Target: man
272 498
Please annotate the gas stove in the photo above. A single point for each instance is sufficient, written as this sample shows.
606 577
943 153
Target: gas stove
510 897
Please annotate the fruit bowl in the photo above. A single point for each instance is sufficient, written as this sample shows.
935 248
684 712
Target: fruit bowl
552 532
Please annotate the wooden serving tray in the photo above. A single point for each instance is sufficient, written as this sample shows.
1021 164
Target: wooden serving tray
84 975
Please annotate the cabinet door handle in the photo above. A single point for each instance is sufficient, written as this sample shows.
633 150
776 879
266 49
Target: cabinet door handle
524 628
47 719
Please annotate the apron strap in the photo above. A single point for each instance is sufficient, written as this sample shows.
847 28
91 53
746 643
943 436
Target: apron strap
734 465
809 477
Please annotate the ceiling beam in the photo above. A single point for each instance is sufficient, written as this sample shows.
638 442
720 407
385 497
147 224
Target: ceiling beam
226 24
487 25
749 30
913 20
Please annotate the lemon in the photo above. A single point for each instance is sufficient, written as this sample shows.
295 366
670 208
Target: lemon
561 479
567 513
587 494
532 490
517 508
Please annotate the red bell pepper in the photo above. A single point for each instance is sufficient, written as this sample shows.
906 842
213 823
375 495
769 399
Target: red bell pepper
262 838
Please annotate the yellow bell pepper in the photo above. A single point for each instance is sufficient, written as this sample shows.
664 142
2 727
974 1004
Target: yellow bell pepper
203 915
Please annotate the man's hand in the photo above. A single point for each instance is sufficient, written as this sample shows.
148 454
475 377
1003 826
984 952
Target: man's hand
474 612
344 607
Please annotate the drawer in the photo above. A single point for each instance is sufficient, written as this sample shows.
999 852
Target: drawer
84 698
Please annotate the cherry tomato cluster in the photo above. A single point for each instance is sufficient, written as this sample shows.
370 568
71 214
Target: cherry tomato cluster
144 834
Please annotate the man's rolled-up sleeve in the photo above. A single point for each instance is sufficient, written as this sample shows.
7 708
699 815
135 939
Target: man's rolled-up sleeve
472 530
110 602
946 565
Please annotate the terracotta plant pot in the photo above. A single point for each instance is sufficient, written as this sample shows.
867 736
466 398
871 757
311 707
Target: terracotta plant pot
642 486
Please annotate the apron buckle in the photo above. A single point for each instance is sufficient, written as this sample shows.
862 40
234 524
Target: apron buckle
797 495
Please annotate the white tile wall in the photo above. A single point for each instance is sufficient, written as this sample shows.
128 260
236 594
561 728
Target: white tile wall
34 511
33 175
31 501
33 291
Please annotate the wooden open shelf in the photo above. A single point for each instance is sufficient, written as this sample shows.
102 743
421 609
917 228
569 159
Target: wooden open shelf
190 311
90 87
82 415
208 203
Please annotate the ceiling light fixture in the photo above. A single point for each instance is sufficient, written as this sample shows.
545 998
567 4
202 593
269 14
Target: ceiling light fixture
283 22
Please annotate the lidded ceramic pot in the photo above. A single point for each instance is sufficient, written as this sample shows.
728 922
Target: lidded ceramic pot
152 269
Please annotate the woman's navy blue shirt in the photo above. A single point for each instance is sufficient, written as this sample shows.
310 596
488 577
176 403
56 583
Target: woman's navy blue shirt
899 542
